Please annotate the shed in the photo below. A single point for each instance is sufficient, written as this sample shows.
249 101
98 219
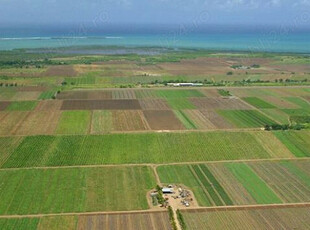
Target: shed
167 190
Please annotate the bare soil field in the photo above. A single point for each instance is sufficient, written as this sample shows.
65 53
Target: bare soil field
218 121
49 105
296 68
62 70
233 187
214 65
31 88
101 122
85 95
38 122
219 103
129 221
200 120
129 120
4 104
10 121
287 185
210 92
154 104
198 66
290 92
279 102
259 218
26 96
307 98
100 105
123 94
163 120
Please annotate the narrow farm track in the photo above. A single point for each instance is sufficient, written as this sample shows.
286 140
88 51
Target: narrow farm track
156 165
197 209
249 207
147 131
83 213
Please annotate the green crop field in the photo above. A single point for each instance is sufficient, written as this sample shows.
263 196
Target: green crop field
101 121
262 182
138 148
74 122
258 103
187 122
19 223
277 115
246 118
207 189
34 191
296 141
180 103
300 102
299 173
22 106
178 93
47 95
258 189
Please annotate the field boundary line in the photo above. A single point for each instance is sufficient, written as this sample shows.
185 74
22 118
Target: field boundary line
159 164
248 207
146 131
83 213
198 209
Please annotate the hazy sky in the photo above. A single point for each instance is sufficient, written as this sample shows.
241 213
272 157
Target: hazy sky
275 12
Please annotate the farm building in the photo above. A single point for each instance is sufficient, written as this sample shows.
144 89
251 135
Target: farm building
167 190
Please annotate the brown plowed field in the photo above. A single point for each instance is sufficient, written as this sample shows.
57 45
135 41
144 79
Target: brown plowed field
61 70
307 98
26 96
128 221
85 95
215 65
248 219
38 122
49 105
219 103
198 66
100 105
31 88
4 104
128 120
162 120
217 120
279 102
201 121
210 92
10 121
154 104
123 94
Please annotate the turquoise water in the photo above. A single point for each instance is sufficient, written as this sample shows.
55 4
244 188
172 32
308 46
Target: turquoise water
226 41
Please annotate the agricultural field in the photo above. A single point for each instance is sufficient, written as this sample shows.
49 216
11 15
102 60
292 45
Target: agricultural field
86 139
66 190
296 142
74 122
144 148
123 221
226 184
127 110
21 106
248 219
258 103
246 118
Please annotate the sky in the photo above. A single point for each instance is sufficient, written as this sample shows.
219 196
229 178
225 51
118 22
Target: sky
168 12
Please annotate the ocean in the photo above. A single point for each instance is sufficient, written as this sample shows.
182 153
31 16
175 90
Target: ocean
220 39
